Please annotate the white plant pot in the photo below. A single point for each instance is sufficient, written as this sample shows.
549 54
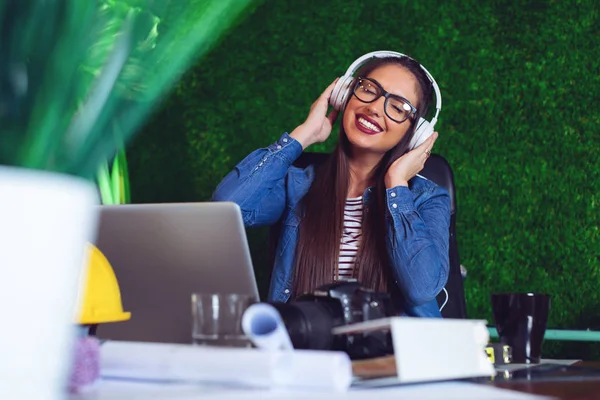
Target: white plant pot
46 219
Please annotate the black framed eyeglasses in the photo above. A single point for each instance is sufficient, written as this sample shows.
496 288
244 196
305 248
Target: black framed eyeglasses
397 108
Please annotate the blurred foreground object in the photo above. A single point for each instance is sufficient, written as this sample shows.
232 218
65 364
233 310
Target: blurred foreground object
100 303
47 220
77 79
85 371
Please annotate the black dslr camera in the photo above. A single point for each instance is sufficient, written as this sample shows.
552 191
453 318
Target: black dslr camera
310 318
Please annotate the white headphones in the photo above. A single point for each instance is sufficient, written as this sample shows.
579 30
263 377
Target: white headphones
342 91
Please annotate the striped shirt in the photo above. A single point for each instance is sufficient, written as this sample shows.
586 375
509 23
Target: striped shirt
350 238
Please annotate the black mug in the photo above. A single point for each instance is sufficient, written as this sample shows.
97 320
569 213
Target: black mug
521 320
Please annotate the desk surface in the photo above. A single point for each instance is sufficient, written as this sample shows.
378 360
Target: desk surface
520 390
581 389
564 387
129 390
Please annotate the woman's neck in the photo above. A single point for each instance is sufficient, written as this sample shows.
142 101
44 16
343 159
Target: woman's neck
361 173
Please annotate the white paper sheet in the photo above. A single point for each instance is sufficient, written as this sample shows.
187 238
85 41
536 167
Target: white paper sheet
323 370
119 390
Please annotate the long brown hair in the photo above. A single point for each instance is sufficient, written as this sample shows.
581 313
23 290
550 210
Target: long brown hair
322 208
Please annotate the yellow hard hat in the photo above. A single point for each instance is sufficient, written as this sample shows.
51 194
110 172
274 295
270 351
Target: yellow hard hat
101 295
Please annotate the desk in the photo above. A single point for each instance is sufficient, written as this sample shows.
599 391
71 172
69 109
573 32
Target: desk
585 390
480 389
581 389
124 390
562 389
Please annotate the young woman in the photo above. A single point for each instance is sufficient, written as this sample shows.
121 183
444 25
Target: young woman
363 213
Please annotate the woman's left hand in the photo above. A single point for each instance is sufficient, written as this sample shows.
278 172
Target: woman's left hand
410 164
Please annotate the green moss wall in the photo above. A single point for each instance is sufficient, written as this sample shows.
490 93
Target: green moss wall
519 125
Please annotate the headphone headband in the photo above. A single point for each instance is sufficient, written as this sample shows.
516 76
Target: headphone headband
384 54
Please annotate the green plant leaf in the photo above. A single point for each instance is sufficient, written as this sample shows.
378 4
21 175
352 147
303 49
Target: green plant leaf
73 71
104 186
124 177
115 181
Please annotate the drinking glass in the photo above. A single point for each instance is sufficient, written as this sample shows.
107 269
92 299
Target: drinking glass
217 319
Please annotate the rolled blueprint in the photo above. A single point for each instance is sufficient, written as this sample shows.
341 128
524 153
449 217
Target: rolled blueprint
166 362
262 324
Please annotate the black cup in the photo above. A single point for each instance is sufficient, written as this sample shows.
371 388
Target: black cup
521 320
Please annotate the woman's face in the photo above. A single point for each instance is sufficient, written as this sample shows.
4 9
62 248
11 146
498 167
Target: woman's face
367 126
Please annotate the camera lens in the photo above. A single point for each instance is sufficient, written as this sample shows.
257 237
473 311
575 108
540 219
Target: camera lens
309 323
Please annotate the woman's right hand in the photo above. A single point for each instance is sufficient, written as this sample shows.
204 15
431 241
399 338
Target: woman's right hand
318 124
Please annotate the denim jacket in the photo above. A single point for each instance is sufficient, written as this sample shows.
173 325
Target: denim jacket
268 189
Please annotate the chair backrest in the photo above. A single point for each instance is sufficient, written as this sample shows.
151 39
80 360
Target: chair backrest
438 170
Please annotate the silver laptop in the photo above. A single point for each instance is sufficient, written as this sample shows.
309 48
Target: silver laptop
162 253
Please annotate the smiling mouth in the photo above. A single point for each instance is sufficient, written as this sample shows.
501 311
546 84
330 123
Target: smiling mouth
367 125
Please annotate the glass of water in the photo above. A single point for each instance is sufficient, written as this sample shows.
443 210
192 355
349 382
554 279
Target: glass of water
217 319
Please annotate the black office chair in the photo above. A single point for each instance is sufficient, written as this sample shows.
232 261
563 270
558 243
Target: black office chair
439 171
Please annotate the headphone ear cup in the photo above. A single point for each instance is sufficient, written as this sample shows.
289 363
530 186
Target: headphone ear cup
423 131
340 92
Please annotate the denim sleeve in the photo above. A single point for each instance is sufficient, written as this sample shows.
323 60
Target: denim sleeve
257 183
418 242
